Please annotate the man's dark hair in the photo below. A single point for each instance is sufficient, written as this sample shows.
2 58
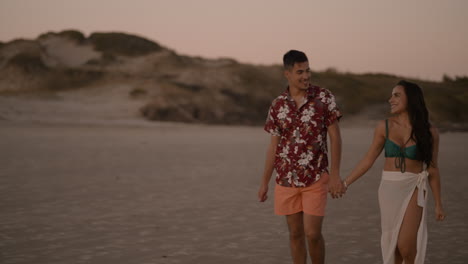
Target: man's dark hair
293 56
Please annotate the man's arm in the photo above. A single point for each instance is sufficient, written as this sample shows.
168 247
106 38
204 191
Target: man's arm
335 185
268 170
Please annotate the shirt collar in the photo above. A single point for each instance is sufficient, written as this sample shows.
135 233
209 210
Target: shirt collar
311 91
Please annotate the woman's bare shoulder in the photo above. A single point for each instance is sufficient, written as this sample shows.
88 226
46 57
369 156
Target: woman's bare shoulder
380 127
392 120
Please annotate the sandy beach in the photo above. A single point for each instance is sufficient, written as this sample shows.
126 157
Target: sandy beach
144 192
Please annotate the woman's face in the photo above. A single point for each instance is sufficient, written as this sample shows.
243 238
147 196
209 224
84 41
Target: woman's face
398 101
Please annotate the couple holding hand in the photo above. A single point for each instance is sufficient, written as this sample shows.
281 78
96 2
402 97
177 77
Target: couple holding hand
299 121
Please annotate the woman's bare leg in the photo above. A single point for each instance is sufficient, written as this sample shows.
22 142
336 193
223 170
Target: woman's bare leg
408 235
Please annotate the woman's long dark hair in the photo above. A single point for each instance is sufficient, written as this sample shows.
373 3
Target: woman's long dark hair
419 119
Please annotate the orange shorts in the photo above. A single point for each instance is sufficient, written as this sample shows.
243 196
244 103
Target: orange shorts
311 200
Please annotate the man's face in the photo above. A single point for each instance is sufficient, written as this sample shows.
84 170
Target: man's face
299 76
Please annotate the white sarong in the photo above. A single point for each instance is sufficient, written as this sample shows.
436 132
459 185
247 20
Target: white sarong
395 192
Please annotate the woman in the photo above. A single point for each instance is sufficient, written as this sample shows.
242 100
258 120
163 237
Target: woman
411 146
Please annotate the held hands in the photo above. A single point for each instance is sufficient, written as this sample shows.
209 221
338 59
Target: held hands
336 188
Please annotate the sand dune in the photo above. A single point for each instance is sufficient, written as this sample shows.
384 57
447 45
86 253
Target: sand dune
176 87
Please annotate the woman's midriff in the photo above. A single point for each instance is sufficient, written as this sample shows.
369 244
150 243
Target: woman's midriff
414 166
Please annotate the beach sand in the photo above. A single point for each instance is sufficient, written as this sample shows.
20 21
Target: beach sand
141 192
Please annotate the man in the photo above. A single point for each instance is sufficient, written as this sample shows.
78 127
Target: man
298 121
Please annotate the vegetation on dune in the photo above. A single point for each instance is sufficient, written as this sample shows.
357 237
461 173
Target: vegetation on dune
245 98
123 44
447 100
74 35
227 93
28 63
64 79
138 92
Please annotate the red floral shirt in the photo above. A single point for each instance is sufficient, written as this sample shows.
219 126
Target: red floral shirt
301 156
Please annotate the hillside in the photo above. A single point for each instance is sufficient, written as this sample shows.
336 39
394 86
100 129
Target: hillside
160 84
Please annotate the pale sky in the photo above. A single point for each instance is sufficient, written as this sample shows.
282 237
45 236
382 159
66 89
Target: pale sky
413 38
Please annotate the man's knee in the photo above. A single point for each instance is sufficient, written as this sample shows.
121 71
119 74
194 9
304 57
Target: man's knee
314 236
296 234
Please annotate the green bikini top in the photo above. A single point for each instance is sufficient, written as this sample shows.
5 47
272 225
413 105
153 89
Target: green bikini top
393 150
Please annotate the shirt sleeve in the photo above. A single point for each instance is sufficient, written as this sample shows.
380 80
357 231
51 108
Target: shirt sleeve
332 112
271 125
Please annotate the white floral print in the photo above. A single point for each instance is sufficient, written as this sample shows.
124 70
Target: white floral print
289 177
284 153
297 183
305 158
283 111
301 153
307 115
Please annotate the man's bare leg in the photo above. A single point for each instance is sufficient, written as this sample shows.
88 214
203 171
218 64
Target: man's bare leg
297 238
315 240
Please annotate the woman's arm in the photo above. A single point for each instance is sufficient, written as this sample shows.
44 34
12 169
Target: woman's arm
374 151
434 177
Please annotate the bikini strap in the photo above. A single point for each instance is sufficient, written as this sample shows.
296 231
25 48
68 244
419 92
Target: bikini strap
407 141
386 128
